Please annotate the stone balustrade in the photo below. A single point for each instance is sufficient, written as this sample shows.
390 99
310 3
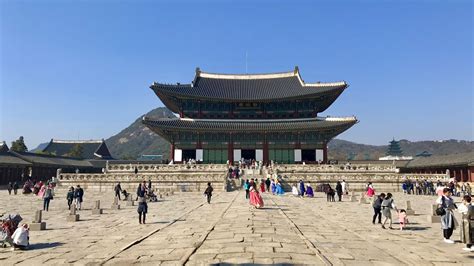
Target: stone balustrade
330 168
161 168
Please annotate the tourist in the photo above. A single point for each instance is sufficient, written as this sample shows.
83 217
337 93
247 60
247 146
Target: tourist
309 191
447 219
402 218
70 197
15 187
208 192
273 187
302 188
255 197
136 169
387 206
78 196
467 211
10 188
267 184
370 190
247 189
468 190
149 184
339 190
404 187
279 189
344 187
262 185
330 193
47 197
118 189
21 237
439 189
294 191
142 206
377 205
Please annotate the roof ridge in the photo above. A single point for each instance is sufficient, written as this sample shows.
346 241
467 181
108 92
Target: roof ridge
76 141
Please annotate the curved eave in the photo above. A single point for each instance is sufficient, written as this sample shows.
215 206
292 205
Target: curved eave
169 96
163 126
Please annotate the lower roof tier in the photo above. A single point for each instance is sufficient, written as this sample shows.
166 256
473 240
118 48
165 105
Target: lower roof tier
331 125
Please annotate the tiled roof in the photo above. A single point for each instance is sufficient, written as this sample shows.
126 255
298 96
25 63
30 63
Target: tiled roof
234 125
256 87
457 159
91 149
51 160
3 147
9 159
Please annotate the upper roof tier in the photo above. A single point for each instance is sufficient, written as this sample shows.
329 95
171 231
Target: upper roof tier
247 87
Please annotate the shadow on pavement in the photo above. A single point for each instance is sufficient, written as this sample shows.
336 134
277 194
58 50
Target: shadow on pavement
44 245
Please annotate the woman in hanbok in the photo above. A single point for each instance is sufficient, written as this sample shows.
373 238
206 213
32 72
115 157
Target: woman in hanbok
370 190
262 185
255 197
309 191
279 189
273 187
294 191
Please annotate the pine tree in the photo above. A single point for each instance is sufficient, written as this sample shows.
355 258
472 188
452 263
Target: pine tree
19 145
394 148
76 151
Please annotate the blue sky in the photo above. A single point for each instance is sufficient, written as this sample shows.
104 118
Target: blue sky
81 69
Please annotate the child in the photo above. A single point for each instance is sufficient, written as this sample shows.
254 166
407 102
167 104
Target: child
402 218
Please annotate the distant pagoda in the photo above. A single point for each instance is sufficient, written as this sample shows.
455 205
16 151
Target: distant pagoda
266 117
394 148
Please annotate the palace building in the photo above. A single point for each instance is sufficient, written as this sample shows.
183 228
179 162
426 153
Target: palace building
226 117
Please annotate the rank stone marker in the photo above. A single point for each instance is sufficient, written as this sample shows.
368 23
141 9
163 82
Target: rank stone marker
409 210
38 224
115 204
97 209
130 201
433 218
73 216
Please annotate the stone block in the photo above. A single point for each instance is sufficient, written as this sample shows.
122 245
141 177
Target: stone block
434 219
37 226
73 218
97 211
115 207
130 203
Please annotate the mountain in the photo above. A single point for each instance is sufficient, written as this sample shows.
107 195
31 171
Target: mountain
137 139
40 147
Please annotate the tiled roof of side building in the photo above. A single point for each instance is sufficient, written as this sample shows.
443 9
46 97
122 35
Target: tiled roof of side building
252 87
457 159
11 160
91 149
51 160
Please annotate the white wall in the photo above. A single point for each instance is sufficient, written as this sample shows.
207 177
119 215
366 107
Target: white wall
319 155
199 155
297 155
237 154
178 155
258 155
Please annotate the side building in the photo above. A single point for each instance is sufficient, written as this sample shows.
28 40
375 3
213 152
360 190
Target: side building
266 117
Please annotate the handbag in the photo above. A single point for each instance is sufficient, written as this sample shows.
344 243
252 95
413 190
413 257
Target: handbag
440 211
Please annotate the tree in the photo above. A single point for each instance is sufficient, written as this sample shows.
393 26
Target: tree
76 151
19 145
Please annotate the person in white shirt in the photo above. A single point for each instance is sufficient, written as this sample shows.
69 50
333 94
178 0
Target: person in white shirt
21 237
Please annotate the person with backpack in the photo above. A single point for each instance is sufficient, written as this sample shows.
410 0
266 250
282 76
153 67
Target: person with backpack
377 205
78 196
387 206
70 197
208 192
446 203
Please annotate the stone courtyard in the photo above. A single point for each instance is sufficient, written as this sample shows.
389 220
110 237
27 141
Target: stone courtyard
183 229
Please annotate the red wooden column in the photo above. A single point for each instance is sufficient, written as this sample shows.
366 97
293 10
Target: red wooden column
265 149
230 149
325 153
172 151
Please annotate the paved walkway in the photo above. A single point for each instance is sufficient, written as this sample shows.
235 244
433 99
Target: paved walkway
183 229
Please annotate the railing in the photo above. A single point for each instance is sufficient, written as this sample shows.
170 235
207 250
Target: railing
157 168
329 168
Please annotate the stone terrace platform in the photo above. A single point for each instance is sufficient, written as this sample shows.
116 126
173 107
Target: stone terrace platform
183 229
